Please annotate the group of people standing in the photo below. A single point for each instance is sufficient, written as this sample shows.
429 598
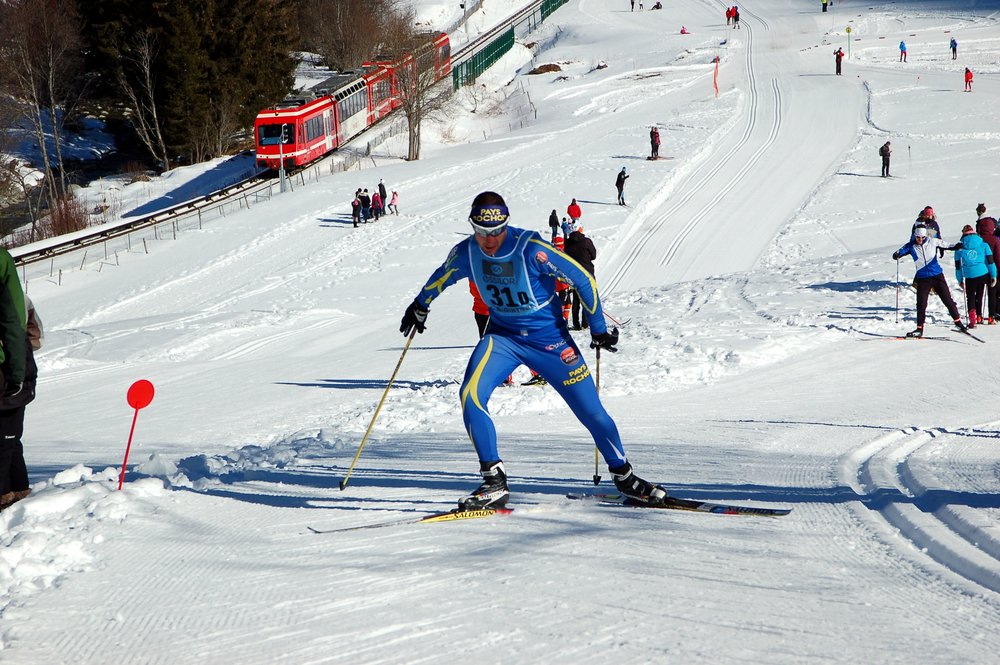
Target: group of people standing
733 16
953 45
581 249
367 206
975 268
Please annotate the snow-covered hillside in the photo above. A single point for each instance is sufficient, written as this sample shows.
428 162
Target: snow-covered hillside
759 367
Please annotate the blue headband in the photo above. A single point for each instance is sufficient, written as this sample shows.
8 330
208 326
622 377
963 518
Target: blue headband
489 216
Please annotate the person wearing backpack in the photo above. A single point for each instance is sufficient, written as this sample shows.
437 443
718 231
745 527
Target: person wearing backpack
885 152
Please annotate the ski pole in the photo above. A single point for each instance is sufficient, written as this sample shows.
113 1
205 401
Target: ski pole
897 290
343 483
597 474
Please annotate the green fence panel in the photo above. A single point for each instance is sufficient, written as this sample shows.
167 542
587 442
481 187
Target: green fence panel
465 73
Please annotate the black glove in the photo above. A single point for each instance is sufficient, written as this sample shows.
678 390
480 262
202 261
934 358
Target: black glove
607 340
12 390
414 317
895 256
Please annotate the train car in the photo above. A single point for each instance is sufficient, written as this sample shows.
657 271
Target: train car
301 129
296 131
441 47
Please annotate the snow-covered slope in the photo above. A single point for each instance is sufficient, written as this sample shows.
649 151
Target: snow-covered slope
759 367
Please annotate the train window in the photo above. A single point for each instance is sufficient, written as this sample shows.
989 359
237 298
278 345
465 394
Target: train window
354 103
271 134
314 128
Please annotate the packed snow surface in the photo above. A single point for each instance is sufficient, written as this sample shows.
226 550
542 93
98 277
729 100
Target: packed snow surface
758 366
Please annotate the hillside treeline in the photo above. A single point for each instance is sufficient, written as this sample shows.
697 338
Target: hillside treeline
179 80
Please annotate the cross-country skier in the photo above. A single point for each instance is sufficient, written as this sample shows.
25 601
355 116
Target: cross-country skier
923 249
975 271
986 227
927 218
516 271
620 185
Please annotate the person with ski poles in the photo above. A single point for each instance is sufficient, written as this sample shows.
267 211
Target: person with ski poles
516 271
923 249
975 271
620 186
986 227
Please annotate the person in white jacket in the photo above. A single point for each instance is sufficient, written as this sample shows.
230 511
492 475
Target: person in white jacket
923 249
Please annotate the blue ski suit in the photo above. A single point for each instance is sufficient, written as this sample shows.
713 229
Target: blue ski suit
526 327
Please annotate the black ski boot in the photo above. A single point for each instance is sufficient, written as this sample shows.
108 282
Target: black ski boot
536 380
635 488
493 493
919 332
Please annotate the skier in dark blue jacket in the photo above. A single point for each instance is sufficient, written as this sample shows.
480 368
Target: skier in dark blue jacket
923 249
516 272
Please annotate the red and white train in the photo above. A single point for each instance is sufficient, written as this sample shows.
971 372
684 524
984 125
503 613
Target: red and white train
299 130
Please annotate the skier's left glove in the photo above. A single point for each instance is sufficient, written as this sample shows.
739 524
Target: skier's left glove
607 340
414 317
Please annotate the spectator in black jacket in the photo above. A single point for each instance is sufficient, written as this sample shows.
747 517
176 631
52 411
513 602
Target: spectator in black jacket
581 249
620 186
554 225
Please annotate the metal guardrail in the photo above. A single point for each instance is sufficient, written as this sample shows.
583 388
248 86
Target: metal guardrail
195 207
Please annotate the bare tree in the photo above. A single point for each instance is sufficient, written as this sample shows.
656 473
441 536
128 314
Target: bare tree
422 96
140 95
40 49
346 33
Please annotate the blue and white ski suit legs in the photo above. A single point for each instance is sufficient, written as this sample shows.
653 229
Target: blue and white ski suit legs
556 357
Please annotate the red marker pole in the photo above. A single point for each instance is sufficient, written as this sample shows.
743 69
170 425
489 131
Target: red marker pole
140 394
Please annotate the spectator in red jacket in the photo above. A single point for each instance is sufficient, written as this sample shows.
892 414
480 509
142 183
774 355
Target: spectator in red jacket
968 80
574 212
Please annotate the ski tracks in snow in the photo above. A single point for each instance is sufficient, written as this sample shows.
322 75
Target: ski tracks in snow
898 478
691 203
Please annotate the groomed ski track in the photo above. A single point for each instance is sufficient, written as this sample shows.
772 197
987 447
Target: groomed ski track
744 265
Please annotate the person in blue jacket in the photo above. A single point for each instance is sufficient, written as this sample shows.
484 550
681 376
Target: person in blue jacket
923 249
974 270
516 272
902 51
954 49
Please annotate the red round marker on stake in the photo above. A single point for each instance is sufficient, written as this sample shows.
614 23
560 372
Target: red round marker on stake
140 394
